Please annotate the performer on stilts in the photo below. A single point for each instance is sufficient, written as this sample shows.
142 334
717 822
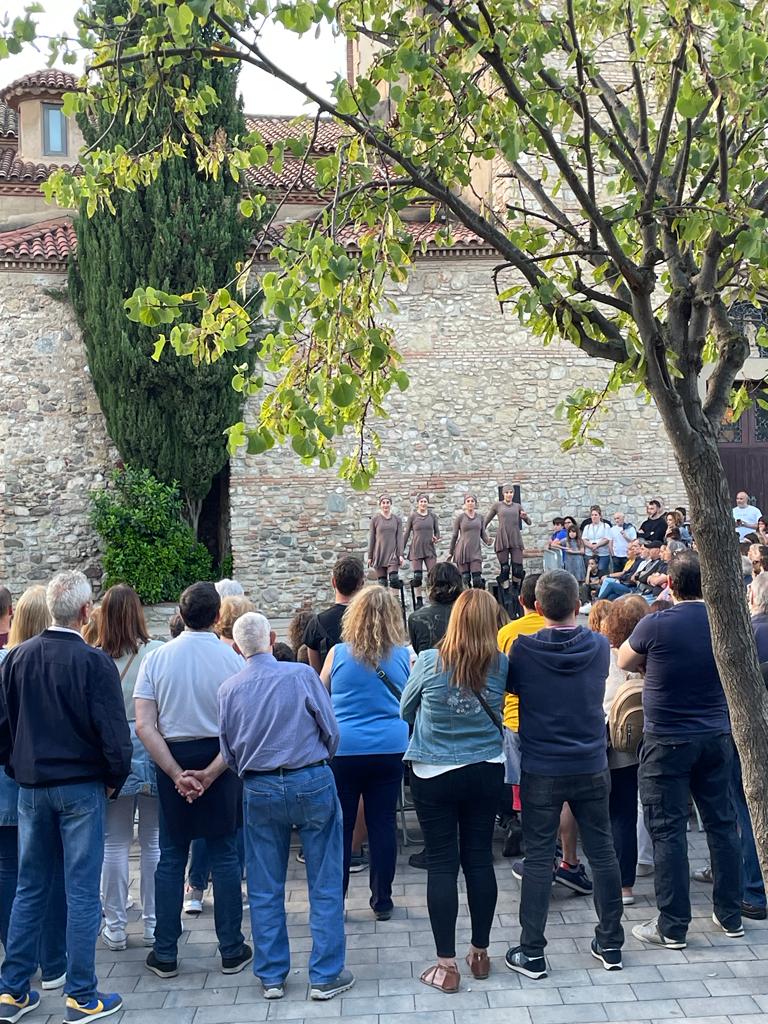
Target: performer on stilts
465 550
508 545
422 525
385 544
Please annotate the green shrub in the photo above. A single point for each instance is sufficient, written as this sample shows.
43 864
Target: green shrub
147 543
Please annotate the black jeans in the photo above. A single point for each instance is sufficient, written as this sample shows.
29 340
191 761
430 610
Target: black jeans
457 811
623 807
376 778
671 768
542 798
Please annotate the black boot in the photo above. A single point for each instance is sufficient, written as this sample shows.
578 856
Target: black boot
418 860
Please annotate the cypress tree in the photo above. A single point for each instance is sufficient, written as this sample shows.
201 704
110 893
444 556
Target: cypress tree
182 231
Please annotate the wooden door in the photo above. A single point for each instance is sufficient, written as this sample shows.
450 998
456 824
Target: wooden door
744 451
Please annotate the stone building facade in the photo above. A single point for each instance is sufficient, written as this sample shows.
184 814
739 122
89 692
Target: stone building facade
479 412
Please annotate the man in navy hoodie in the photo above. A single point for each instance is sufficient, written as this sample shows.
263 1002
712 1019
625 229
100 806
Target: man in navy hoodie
559 675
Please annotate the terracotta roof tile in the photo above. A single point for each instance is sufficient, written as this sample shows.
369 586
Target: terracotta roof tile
49 81
422 233
274 129
9 123
12 169
50 241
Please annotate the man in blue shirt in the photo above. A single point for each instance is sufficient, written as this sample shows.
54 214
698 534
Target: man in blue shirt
687 750
282 755
559 675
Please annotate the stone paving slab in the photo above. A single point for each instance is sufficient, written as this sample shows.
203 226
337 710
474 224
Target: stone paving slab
715 980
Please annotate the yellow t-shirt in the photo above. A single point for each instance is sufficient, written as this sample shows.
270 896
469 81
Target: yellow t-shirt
530 623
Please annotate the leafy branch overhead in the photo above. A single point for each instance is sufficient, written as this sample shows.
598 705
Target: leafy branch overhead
629 138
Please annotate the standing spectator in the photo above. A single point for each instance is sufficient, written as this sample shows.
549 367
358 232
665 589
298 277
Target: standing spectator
622 535
454 699
573 554
553 555
177 720
655 526
229 588
745 516
282 756
64 738
596 536
6 615
427 625
323 631
232 607
687 750
366 674
618 624
124 637
559 676
758 607
762 530
31 617
295 632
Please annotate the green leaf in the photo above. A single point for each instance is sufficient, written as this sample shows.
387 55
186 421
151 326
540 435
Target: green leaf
180 19
343 392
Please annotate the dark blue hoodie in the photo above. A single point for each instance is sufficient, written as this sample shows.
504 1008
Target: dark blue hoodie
559 675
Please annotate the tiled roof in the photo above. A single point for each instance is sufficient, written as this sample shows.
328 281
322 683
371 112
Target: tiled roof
275 129
45 243
9 122
48 82
14 170
424 234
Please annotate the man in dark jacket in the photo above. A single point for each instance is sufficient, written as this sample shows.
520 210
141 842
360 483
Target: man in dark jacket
559 676
65 739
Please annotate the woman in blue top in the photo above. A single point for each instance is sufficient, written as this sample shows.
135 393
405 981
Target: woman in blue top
31 617
366 673
454 698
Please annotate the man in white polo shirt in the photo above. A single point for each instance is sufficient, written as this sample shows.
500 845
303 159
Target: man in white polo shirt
745 515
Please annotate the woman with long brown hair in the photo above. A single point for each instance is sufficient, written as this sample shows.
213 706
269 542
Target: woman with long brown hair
366 674
124 637
454 700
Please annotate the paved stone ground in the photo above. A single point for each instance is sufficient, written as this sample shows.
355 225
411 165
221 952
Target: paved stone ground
715 980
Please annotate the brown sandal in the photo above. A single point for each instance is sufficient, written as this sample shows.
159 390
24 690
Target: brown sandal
441 977
479 964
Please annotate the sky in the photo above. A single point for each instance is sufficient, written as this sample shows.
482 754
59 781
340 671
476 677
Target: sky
319 60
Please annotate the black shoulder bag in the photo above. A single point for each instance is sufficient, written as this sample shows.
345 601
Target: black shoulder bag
491 713
397 694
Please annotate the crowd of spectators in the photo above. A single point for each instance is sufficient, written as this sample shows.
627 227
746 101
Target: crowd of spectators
556 729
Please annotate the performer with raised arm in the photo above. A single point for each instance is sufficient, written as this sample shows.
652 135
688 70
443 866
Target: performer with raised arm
385 544
509 543
423 530
465 550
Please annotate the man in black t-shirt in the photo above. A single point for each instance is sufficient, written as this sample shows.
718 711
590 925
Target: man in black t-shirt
323 631
655 526
687 750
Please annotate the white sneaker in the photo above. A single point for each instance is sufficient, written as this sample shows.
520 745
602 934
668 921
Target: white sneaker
585 609
114 941
129 902
193 900
149 935
53 983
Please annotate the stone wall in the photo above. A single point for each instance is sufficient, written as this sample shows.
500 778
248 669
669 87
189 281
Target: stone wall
479 412
53 443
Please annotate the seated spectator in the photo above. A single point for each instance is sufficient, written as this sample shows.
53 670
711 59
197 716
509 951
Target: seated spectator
229 588
30 618
90 629
559 675
366 674
655 526
283 652
453 699
624 573
758 557
597 614
618 624
762 530
758 607
232 607
6 615
282 757
650 564
687 751
323 631
427 625
296 628
659 606
596 537
593 580
175 625
674 521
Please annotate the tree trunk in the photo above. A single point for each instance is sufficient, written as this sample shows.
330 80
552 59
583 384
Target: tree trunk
733 641
194 508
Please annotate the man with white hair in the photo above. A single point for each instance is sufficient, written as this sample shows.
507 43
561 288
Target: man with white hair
282 755
65 739
229 588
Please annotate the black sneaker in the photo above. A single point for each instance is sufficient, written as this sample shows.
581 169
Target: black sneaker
532 967
235 964
418 860
574 877
749 910
162 968
609 958
341 983
300 855
358 861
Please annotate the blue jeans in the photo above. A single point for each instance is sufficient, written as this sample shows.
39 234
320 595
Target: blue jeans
671 769
199 862
754 889
70 818
542 798
611 589
169 892
53 948
273 803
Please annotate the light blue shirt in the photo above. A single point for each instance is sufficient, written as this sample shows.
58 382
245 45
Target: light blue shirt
367 713
183 678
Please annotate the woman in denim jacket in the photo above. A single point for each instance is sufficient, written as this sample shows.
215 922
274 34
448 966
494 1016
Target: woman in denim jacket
454 699
31 617
123 636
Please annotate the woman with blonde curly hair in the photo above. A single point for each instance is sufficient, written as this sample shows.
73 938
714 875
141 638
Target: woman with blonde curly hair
232 607
366 674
